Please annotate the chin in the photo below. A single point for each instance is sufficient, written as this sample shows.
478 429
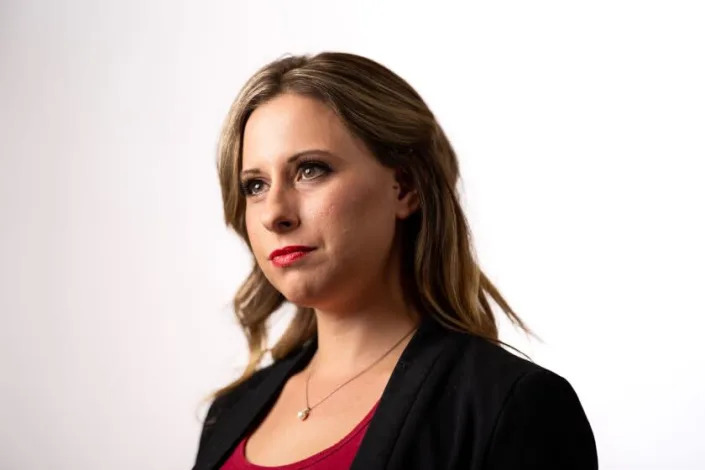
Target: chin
298 297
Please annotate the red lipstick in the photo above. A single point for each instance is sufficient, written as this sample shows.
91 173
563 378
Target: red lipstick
283 257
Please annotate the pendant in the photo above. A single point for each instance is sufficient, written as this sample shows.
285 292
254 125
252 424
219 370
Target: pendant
303 414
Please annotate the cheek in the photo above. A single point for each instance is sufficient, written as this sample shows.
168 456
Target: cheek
354 217
337 211
250 227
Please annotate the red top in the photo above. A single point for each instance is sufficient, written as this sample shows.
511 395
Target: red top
339 456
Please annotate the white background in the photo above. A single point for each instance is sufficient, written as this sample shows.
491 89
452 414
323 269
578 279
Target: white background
580 127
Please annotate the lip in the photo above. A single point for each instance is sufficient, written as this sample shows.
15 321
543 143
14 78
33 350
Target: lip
290 249
288 259
284 257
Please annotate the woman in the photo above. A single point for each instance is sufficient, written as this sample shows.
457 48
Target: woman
341 182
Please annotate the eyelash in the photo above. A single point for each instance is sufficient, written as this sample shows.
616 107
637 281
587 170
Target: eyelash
244 185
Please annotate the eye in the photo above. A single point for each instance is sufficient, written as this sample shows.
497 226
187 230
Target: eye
312 165
308 169
246 187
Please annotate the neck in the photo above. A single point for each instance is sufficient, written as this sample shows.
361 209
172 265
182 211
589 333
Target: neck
351 341
355 330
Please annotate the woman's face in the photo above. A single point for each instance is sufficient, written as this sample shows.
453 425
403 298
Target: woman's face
310 182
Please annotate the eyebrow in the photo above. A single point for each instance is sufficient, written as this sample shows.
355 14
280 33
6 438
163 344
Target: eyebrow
289 161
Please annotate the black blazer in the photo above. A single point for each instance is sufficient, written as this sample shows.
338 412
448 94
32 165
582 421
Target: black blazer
453 401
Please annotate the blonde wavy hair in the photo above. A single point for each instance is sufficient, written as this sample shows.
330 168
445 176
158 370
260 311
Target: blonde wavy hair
440 274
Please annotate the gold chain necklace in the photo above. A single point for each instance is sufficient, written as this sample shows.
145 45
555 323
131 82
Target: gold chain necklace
303 414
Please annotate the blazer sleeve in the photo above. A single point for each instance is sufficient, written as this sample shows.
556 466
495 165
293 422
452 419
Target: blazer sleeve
542 425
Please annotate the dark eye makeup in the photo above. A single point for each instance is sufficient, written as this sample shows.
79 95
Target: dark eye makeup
246 186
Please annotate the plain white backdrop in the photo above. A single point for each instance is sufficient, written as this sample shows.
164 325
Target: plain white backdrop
580 127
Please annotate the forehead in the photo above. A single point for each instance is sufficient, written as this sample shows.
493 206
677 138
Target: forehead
291 123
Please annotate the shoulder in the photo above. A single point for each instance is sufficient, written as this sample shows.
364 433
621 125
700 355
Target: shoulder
232 397
542 424
496 376
226 401
525 413
482 366
229 398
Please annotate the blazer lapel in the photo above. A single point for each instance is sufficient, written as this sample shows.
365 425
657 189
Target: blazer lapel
378 443
377 446
236 421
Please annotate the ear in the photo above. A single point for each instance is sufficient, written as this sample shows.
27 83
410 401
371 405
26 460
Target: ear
407 197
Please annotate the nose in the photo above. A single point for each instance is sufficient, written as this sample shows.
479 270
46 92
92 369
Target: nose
279 211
